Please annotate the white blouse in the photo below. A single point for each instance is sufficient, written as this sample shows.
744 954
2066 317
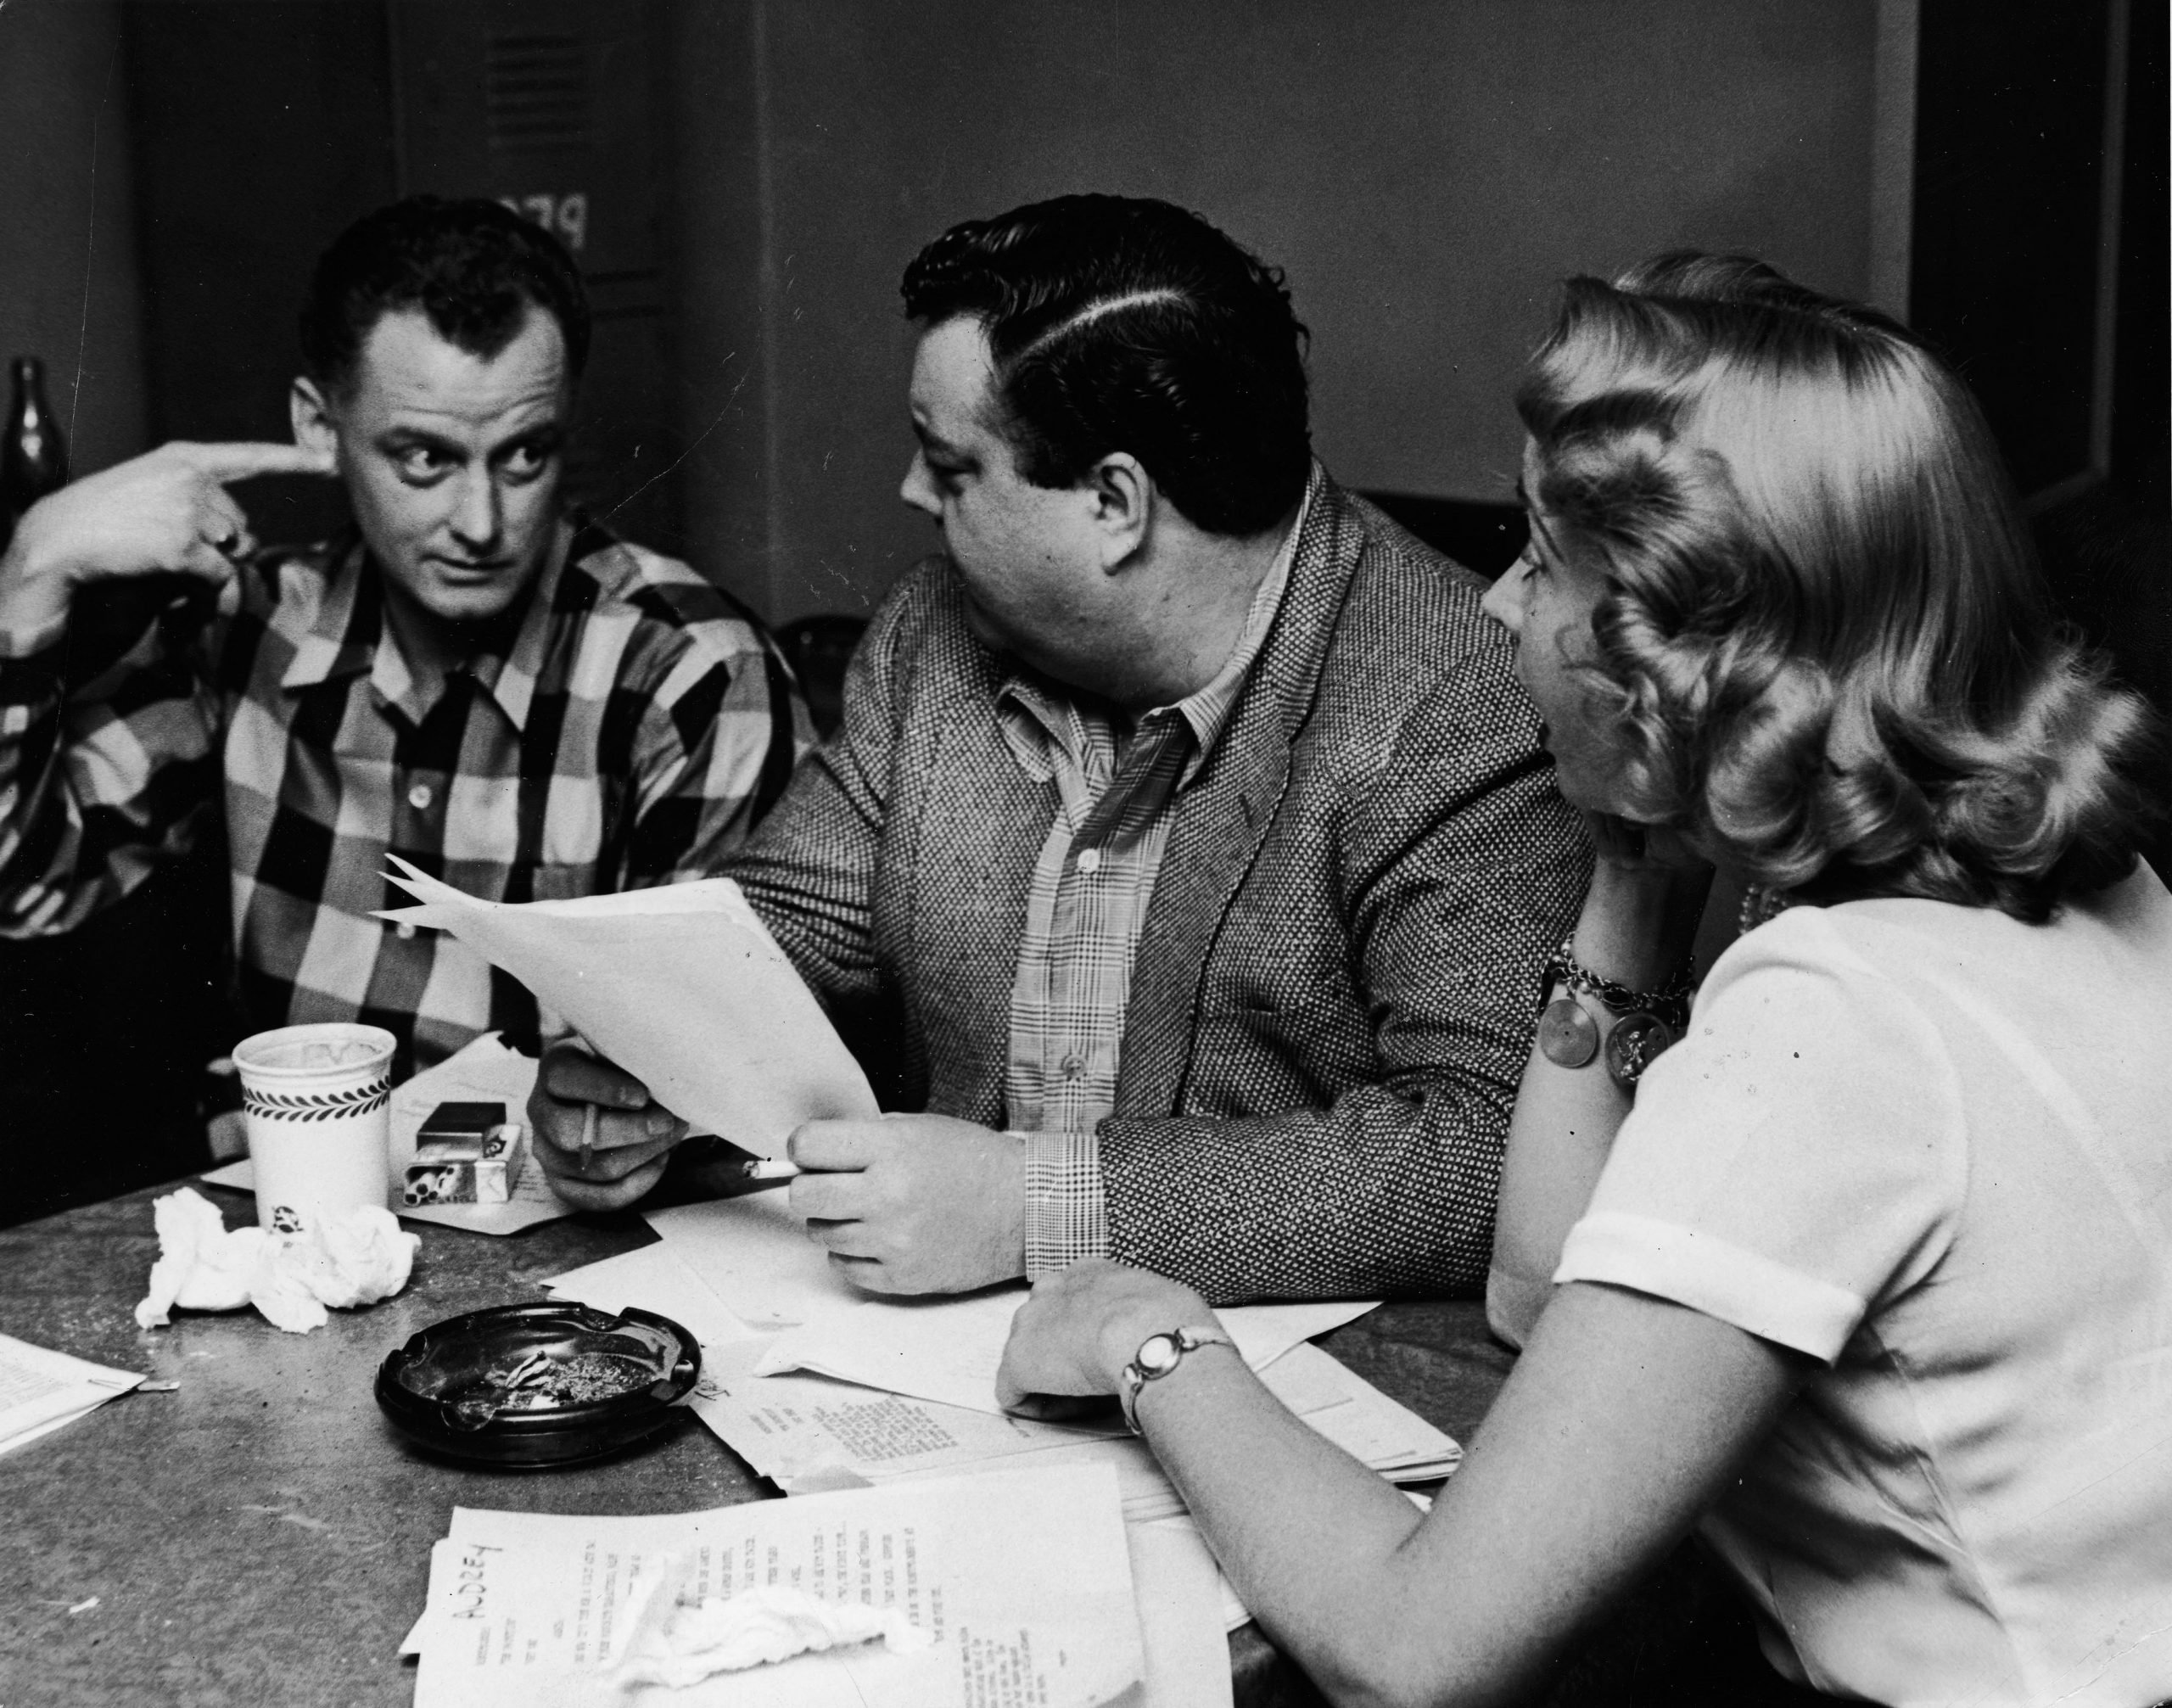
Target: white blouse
1931 1147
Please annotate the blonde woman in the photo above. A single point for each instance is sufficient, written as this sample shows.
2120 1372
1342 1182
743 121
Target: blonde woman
1874 1286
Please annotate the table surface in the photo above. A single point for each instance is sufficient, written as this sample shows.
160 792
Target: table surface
260 1534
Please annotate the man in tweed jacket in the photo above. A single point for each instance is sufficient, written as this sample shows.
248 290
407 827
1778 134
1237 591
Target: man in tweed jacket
1187 841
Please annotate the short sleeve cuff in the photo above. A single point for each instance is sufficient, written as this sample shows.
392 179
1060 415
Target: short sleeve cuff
1722 1279
1066 1214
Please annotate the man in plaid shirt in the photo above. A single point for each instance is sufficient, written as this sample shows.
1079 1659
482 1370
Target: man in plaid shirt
511 699
1188 843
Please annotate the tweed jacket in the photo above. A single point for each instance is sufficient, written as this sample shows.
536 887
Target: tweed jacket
1334 995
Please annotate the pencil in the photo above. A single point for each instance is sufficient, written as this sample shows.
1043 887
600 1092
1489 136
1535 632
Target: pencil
587 1138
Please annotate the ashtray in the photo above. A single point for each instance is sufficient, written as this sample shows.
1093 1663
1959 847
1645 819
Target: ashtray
544 1384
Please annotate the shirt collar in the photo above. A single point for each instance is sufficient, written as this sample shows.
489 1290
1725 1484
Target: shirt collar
335 623
511 679
331 626
1208 709
1053 718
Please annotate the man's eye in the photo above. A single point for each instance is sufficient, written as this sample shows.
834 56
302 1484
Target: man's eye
526 462
420 463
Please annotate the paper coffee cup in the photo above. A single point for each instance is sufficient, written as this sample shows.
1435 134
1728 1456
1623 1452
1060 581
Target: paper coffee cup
317 1100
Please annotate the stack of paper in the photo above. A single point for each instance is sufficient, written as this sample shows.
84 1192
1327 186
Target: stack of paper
907 1389
39 1390
1029 1585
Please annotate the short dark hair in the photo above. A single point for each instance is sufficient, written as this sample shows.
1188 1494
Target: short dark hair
474 266
1118 323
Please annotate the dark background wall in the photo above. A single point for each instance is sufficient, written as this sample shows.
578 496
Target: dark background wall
1425 173
69 281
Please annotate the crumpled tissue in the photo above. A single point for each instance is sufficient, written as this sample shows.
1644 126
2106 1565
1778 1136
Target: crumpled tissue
343 1261
677 1644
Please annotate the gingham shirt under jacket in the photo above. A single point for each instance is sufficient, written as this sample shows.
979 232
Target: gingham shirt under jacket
1091 888
1330 1001
635 729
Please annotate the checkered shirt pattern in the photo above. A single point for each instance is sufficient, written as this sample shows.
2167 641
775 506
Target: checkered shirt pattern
633 731
1083 914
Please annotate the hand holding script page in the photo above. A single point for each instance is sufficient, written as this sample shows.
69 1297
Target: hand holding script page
1024 1580
682 986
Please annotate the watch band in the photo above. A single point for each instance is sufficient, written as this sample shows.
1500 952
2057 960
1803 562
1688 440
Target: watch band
1157 1355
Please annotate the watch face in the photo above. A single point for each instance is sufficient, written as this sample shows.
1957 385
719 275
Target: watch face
1158 1354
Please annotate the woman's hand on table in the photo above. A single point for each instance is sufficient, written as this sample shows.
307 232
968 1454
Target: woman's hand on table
601 1140
1082 1326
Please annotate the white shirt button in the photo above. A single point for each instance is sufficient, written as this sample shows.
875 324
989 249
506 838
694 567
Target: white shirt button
1072 1066
1089 860
403 931
420 797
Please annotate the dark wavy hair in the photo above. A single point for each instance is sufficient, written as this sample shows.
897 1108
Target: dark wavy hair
1824 638
1124 324
474 266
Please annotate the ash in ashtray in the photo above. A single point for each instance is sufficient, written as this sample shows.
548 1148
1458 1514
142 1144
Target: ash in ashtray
543 1383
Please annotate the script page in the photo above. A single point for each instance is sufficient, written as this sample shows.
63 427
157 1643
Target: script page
682 986
1024 1580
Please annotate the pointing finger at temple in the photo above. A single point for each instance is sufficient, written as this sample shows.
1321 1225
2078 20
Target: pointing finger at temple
245 460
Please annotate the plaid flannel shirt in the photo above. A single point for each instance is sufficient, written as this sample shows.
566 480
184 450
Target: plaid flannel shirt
1084 912
637 726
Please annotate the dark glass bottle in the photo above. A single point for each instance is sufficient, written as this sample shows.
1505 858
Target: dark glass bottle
33 457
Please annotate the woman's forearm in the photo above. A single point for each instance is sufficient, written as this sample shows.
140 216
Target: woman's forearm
1637 929
1618 1426
1308 1535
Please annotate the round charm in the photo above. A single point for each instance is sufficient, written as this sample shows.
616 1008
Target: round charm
1635 1043
1567 1036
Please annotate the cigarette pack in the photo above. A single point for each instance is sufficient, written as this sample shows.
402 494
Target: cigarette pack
467 1153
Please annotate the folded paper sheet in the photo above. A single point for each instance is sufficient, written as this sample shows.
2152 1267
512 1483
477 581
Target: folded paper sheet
1023 1582
42 1390
752 1252
682 986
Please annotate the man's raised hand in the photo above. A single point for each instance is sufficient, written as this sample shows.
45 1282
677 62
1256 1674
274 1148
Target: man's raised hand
165 511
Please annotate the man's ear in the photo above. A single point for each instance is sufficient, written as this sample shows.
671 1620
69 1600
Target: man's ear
310 411
1123 507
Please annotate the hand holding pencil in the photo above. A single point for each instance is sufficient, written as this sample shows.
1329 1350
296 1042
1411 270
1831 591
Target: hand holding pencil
600 1138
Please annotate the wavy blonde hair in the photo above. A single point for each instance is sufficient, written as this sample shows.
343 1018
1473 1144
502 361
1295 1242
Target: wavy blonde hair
1824 639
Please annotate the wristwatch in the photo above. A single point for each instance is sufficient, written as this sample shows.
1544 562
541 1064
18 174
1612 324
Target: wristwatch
1157 1355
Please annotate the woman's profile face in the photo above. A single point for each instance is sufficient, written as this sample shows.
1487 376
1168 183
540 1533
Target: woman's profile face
1546 600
